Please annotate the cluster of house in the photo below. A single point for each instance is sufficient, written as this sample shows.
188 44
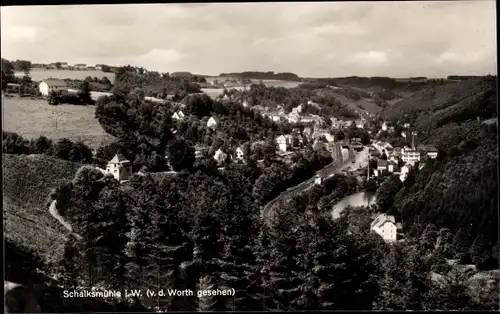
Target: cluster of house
343 124
212 122
220 155
409 156
321 137
78 66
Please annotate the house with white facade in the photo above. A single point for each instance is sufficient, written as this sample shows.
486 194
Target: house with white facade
385 226
384 126
410 156
318 180
293 117
49 85
284 142
179 115
120 167
392 166
220 157
240 153
297 110
212 123
307 132
200 151
404 172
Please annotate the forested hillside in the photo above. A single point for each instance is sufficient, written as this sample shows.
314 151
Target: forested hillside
439 105
459 190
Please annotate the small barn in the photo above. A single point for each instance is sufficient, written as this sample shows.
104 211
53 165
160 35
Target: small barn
47 86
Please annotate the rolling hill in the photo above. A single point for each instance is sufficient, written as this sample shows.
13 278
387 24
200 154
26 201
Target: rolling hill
27 183
436 106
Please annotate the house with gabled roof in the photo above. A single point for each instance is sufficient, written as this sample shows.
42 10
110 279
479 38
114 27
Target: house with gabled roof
220 157
213 122
120 167
284 142
240 153
179 115
385 226
49 85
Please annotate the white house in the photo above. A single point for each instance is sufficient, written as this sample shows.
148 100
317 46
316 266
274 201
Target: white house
329 137
404 172
410 156
283 143
385 226
245 103
200 151
179 115
297 109
220 157
46 86
119 167
240 154
384 126
212 123
293 117
318 180
307 132
391 166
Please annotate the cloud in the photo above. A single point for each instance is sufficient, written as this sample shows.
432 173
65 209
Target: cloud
311 39
158 58
370 58
22 33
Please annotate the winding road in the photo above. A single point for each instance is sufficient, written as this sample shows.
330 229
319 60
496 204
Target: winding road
55 213
338 165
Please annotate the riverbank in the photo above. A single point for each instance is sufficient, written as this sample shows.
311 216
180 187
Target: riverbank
358 199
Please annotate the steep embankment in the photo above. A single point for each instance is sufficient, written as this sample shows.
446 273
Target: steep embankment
28 180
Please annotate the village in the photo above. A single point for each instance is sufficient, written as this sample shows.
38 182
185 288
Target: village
388 160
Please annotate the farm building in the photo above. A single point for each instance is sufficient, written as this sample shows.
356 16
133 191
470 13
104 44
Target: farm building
46 86
13 88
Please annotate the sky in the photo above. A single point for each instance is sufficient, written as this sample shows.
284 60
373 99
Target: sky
396 39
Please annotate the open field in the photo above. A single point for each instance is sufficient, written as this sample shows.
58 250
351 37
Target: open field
278 83
28 181
32 118
41 74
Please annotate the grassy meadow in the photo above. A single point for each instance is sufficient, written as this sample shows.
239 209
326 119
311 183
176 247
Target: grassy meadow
37 74
32 118
27 183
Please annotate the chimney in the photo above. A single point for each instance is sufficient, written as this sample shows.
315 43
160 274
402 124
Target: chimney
413 139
